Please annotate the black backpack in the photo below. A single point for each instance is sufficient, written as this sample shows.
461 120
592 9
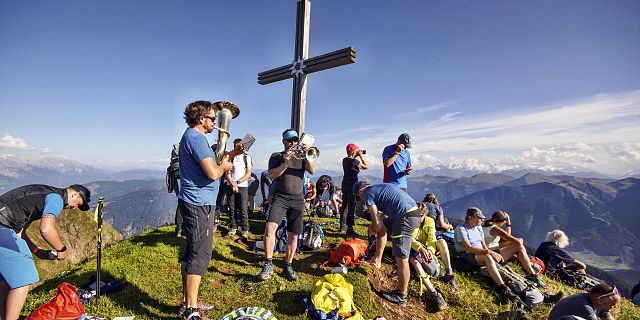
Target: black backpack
525 289
173 170
576 279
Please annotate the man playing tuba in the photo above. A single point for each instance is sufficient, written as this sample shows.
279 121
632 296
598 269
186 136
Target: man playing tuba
199 170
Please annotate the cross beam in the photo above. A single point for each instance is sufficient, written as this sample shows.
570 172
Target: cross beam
302 65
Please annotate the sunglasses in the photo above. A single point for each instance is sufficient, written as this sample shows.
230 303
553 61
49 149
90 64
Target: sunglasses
613 292
292 140
212 118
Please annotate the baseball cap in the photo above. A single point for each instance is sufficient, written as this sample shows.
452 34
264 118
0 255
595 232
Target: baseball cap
405 139
475 212
290 134
85 194
358 185
352 148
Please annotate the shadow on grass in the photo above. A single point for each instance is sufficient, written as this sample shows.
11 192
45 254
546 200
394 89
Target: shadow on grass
129 298
157 236
286 304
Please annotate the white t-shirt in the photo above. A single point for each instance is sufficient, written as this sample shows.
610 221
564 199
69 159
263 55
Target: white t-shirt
239 169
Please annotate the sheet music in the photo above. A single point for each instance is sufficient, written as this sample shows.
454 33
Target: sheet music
247 141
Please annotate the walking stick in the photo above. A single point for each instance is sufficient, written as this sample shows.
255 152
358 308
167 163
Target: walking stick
98 219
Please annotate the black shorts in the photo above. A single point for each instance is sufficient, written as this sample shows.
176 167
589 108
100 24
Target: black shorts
470 259
291 208
198 228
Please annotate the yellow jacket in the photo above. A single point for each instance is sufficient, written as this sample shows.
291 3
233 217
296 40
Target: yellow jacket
425 236
333 292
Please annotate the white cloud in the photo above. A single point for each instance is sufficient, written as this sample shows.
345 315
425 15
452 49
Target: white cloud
448 116
8 141
628 151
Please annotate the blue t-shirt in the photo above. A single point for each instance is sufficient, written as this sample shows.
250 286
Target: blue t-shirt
475 236
195 186
389 199
576 305
395 172
53 204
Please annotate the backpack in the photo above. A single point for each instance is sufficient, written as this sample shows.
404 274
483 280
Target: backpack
349 252
312 236
64 305
576 279
522 287
537 265
173 170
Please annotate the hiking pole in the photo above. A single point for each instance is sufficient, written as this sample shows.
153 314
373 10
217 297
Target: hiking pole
98 219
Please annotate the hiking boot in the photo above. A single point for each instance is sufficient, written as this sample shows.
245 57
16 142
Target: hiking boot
289 273
245 235
549 298
506 294
343 228
352 233
536 280
450 280
267 270
191 314
436 301
232 232
394 297
202 306
214 227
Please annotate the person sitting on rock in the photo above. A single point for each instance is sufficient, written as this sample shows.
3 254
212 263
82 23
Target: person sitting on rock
423 259
501 240
473 250
554 256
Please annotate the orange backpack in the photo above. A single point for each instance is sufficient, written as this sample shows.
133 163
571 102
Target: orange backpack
64 305
349 252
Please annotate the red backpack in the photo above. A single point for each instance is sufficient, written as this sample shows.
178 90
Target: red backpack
537 264
349 252
65 305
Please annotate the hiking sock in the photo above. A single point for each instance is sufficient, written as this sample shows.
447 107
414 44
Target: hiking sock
448 271
269 261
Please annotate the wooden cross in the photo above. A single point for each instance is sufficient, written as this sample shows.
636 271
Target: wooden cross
302 65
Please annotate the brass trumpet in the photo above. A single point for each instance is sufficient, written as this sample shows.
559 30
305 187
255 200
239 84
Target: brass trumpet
301 152
225 111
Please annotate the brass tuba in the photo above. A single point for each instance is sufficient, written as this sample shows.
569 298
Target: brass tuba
225 111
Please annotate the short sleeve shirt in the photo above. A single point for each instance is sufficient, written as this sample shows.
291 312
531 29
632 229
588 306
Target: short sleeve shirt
291 181
389 199
53 204
576 305
195 186
552 256
434 210
395 173
240 168
465 233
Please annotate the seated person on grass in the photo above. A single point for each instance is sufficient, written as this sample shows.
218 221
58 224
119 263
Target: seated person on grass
423 258
473 250
554 256
501 240
593 305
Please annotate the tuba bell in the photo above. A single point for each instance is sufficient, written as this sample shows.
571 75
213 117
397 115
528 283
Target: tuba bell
225 111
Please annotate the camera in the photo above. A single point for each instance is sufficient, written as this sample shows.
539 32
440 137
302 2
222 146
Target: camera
363 151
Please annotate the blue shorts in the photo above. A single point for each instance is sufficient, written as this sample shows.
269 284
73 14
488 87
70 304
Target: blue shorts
17 268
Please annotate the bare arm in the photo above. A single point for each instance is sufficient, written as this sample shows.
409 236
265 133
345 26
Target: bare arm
362 165
247 174
497 231
388 162
49 231
212 170
473 250
310 166
276 172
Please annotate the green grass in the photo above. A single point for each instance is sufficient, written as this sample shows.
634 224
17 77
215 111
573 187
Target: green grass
148 262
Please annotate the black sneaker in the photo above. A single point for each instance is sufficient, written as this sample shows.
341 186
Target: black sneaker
536 280
343 228
289 273
394 297
450 280
436 301
191 314
267 270
549 298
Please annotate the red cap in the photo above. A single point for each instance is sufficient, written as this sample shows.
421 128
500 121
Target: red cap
351 148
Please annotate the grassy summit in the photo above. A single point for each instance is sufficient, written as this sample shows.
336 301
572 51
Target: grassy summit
148 262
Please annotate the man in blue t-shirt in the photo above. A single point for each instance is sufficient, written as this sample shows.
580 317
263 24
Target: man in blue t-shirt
196 200
469 242
18 209
593 305
396 160
403 215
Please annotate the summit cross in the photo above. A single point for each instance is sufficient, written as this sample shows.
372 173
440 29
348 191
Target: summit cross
302 65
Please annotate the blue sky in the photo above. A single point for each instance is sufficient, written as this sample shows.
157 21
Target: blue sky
478 84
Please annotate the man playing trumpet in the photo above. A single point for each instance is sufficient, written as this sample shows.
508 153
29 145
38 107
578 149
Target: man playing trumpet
287 173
